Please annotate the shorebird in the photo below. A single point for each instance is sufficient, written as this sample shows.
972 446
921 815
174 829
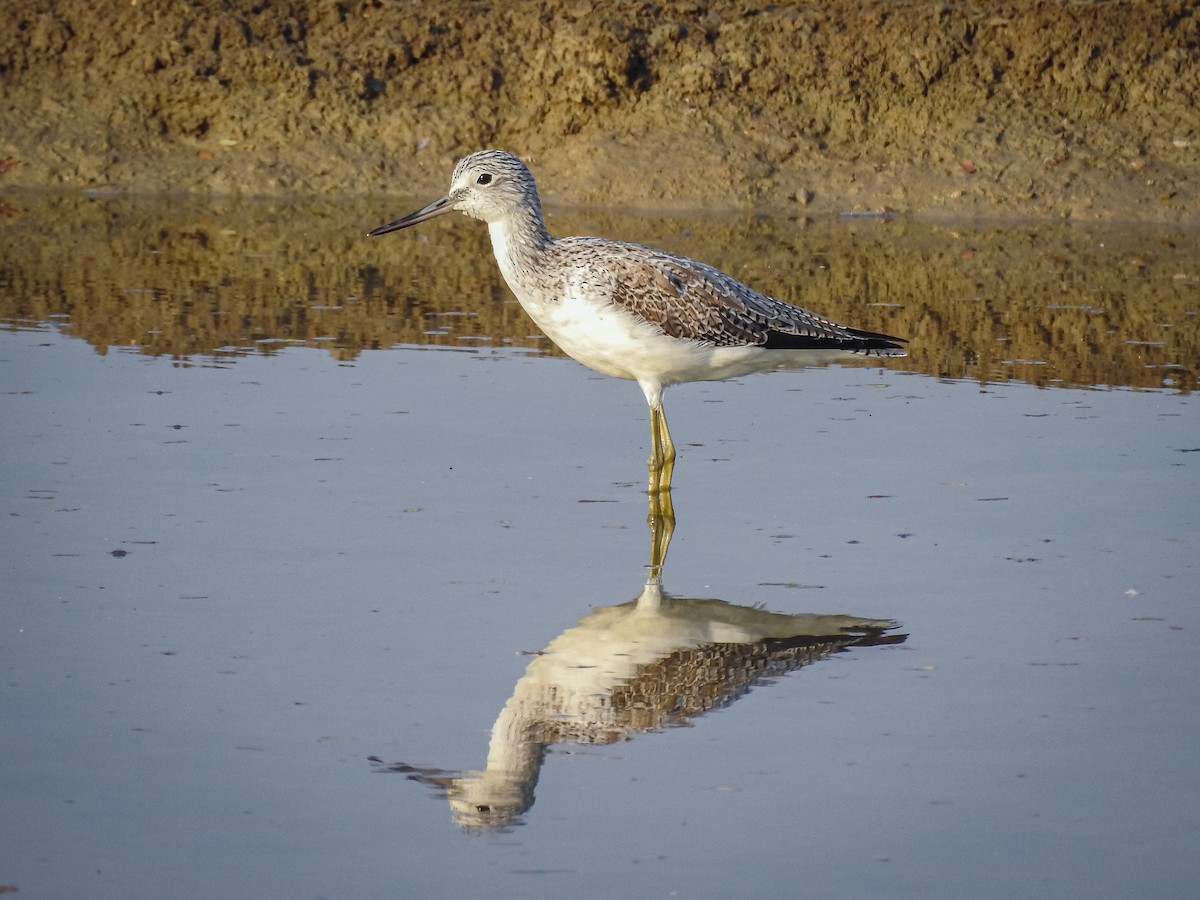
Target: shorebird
630 311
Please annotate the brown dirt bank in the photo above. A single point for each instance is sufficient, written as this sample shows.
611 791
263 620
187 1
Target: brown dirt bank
1083 110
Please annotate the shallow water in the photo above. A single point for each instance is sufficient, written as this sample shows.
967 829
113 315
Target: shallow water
291 516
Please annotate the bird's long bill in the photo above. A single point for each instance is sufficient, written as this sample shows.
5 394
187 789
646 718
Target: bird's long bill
432 211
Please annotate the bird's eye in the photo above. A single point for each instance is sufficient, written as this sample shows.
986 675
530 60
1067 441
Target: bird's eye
485 178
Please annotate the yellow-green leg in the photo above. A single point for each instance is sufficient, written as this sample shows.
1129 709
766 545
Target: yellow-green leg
662 452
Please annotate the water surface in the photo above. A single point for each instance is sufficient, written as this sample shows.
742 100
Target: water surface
280 501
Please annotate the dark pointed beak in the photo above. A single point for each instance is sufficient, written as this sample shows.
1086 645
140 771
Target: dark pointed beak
432 211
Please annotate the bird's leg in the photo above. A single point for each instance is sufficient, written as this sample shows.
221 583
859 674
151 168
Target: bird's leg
662 452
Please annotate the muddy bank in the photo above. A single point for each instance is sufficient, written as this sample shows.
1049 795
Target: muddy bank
1081 110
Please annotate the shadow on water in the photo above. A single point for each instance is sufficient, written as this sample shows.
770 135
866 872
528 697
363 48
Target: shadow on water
655 662
1045 303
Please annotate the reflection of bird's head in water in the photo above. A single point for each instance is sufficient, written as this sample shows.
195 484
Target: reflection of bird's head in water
481 802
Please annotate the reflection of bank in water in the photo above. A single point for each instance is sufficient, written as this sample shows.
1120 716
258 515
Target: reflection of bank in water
655 662
1046 303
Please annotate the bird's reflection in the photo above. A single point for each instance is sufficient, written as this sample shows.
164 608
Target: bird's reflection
653 662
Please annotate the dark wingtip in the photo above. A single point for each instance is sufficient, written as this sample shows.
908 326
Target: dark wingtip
856 341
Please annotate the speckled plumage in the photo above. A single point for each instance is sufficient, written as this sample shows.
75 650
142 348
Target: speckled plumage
631 311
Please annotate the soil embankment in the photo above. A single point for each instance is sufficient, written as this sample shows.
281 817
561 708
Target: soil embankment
1020 108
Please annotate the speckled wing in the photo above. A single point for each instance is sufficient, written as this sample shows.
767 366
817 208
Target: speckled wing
691 300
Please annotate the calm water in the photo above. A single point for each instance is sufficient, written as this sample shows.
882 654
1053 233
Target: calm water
317 566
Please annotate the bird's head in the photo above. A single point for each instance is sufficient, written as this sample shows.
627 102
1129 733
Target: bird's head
488 185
